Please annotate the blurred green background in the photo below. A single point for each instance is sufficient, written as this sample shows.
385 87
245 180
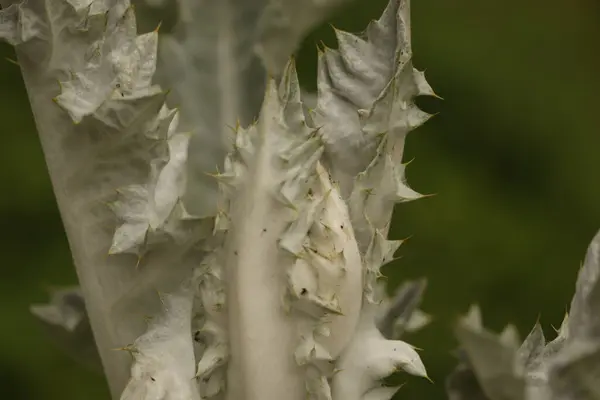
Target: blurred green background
512 158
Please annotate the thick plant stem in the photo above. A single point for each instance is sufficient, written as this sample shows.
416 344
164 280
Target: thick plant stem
88 239
293 269
261 334
97 139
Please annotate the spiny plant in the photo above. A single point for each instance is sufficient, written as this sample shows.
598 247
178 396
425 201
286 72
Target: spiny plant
497 367
264 238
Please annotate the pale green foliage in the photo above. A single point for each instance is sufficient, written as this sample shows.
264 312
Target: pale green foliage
267 239
213 58
566 368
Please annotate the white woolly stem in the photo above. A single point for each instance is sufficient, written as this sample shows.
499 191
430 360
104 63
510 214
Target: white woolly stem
82 217
262 337
91 152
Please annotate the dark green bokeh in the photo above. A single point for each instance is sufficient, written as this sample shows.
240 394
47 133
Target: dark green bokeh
511 158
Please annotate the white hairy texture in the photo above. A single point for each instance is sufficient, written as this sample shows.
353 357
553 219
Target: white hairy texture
369 358
108 143
276 236
285 302
367 88
164 356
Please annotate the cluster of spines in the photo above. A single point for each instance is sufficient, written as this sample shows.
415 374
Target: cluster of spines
209 276
109 88
303 190
152 210
321 244
319 270
383 184
376 103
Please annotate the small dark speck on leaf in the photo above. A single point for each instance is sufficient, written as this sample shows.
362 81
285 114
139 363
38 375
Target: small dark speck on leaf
303 291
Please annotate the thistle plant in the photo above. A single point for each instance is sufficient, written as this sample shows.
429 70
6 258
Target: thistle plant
227 236
498 367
